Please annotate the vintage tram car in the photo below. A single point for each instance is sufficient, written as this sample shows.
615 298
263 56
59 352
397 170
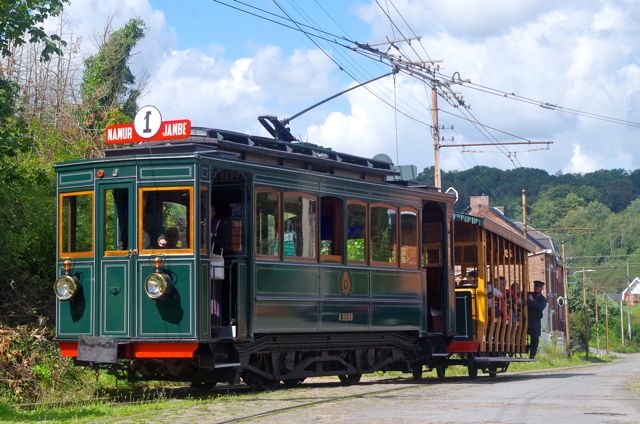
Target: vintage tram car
491 264
328 268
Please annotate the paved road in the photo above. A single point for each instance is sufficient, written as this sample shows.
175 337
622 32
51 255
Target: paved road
592 394
600 393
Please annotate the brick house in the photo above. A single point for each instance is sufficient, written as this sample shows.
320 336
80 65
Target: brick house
631 293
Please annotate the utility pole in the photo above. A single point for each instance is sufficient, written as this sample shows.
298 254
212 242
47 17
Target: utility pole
584 313
584 308
566 306
606 321
621 323
425 71
595 296
436 137
524 217
628 303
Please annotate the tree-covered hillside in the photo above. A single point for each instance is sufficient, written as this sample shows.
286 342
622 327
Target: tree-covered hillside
596 215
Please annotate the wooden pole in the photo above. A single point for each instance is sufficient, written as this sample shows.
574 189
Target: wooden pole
436 138
566 307
584 315
595 296
606 322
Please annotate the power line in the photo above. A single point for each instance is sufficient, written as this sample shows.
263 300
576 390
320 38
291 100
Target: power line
434 76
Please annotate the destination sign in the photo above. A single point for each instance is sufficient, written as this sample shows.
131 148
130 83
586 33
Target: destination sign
147 126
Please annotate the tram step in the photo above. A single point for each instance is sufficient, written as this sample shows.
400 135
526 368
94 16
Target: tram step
488 359
227 365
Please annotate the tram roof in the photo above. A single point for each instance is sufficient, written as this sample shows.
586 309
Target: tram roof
498 229
251 147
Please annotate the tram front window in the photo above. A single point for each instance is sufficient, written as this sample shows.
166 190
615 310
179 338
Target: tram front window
166 218
115 231
76 223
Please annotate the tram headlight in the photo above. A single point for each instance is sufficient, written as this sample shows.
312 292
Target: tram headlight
157 285
65 287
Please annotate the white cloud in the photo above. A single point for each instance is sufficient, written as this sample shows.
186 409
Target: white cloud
582 163
583 56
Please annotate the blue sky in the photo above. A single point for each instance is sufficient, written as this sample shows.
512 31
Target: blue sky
222 68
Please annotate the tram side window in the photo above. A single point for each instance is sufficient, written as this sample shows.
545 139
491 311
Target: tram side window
76 223
356 231
331 213
115 231
408 238
166 218
299 237
267 222
384 238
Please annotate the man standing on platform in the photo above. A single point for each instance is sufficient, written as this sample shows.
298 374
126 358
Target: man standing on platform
536 302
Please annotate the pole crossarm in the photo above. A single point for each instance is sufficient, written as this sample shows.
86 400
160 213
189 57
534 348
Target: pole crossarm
499 143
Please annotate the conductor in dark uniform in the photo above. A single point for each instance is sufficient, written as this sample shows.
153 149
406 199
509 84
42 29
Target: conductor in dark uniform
536 302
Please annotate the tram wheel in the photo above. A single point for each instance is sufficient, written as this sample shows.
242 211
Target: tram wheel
472 369
203 385
258 382
290 383
416 371
350 379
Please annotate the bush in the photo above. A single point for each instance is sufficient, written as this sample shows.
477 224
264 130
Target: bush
30 364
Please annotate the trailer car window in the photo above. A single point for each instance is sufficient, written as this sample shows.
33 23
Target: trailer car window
408 238
267 222
331 233
384 236
356 231
299 237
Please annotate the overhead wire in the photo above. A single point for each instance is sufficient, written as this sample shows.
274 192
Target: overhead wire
345 42
313 33
474 121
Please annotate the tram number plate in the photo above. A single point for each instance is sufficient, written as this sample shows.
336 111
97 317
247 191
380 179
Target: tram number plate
345 316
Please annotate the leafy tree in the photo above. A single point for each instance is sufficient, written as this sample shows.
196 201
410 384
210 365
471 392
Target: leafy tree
616 187
108 92
554 203
13 128
21 22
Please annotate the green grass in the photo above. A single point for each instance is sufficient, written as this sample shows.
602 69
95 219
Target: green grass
98 410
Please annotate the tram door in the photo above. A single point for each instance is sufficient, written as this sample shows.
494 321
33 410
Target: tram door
116 255
228 199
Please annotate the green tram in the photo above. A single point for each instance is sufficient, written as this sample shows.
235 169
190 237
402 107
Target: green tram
330 266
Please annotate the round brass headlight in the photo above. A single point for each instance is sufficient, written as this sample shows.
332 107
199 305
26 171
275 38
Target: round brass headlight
65 287
157 285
